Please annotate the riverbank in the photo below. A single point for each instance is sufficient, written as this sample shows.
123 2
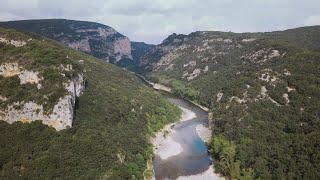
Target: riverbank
207 175
164 145
204 133
162 87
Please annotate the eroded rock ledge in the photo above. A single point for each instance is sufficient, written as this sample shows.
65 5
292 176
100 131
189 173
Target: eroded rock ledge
62 114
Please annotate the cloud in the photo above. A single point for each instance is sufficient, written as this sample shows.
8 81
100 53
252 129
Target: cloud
313 20
152 21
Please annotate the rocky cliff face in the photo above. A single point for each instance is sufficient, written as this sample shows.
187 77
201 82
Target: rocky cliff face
62 114
95 39
25 106
122 48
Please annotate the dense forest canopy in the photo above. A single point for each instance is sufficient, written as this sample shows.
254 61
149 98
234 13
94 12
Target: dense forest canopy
115 117
263 90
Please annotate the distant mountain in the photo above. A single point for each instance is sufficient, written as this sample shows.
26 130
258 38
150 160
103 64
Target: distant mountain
263 91
96 39
68 115
139 49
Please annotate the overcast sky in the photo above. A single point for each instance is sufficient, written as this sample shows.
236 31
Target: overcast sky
153 20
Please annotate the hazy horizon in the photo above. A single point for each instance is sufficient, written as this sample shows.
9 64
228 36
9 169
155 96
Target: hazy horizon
151 22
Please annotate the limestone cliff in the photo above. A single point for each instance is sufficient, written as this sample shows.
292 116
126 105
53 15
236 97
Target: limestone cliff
62 114
33 91
95 39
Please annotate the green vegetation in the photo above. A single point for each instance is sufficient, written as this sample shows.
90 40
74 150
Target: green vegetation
178 87
183 90
41 56
70 31
225 151
276 142
114 120
255 138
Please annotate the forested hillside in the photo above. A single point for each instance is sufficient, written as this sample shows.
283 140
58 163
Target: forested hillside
263 90
98 40
114 117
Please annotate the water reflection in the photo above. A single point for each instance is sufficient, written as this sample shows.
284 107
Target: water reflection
194 158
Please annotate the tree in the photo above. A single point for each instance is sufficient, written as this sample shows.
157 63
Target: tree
226 151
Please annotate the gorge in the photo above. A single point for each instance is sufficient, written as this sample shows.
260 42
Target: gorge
183 153
261 91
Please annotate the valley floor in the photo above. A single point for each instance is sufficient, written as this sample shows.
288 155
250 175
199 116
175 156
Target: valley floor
164 145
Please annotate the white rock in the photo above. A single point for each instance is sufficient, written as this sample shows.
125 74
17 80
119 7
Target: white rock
290 89
67 67
194 74
205 59
248 40
13 69
274 53
286 96
13 42
185 74
191 63
122 47
227 40
3 98
39 86
219 96
263 91
206 69
62 113
286 72
264 95
29 77
9 69
170 67
237 99
167 59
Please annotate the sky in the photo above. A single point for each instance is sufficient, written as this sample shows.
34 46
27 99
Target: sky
151 21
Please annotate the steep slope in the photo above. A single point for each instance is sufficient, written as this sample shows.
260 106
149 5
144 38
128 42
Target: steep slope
33 89
113 117
263 90
139 49
92 38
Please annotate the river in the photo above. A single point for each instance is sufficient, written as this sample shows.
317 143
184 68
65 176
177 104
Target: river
182 153
194 158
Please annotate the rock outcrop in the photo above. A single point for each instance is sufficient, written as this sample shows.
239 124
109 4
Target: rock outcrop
25 76
15 43
92 38
122 48
61 116
19 104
